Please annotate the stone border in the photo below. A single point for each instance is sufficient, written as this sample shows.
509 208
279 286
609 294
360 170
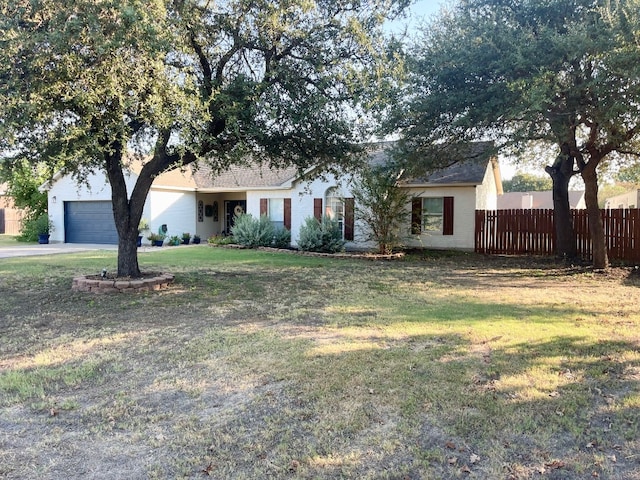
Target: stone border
88 283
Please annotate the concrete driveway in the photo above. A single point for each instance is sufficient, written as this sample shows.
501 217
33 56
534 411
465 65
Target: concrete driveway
20 250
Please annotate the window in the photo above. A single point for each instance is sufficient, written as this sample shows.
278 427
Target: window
275 211
278 210
432 215
335 207
339 208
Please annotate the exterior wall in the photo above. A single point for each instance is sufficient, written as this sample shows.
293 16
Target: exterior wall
303 198
487 193
209 225
66 189
302 195
626 200
6 202
464 207
466 200
174 208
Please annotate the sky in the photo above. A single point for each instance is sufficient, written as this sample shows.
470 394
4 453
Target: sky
422 9
425 8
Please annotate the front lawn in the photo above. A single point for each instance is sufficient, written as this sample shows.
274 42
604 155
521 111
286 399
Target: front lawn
273 365
8 240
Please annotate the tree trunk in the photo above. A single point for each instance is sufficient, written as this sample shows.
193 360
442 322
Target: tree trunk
128 253
561 173
127 213
127 209
596 228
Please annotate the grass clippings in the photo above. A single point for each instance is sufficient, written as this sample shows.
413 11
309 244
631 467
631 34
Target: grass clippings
268 365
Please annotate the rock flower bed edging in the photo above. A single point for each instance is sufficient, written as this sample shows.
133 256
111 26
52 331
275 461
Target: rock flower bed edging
89 283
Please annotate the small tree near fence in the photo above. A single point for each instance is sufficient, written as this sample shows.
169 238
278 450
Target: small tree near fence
381 206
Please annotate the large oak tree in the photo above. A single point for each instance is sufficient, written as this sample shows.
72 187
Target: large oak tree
560 72
93 84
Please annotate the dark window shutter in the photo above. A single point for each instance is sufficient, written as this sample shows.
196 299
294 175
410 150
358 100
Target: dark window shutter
263 206
447 214
287 213
416 216
349 220
317 209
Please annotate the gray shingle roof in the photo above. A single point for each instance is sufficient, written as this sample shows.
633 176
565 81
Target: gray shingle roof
469 172
243 176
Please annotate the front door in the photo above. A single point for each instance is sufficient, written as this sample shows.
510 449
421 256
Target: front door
232 208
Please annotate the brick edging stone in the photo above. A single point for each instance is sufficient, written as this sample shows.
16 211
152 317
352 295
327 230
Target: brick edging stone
93 285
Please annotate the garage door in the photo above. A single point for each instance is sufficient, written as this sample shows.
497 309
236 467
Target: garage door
89 222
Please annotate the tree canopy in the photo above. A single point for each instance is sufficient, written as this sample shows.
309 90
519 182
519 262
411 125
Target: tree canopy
88 84
629 174
526 182
562 72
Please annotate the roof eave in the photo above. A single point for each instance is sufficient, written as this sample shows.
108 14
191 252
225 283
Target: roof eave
438 185
240 189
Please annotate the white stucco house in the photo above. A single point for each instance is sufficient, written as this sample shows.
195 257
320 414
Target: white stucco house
194 201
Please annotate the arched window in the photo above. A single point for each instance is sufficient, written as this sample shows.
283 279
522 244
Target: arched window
334 209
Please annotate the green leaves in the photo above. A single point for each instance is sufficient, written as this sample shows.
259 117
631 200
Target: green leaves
381 206
91 82
525 70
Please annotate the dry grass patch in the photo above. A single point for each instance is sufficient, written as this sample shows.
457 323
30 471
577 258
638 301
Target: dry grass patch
262 365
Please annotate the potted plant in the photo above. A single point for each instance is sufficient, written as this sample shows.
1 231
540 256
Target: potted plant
143 226
156 239
43 228
186 236
196 239
174 240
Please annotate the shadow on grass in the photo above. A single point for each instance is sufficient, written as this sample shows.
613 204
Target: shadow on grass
565 406
318 371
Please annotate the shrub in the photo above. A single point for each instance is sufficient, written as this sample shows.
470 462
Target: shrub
143 226
220 240
324 236
32 226
281 238
252 232
156 237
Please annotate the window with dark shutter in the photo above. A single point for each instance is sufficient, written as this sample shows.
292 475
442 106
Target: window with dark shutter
447 214
349 220
287 213
317 209
416 216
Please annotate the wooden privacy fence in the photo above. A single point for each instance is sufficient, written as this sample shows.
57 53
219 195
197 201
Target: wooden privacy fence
10 221
531 231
